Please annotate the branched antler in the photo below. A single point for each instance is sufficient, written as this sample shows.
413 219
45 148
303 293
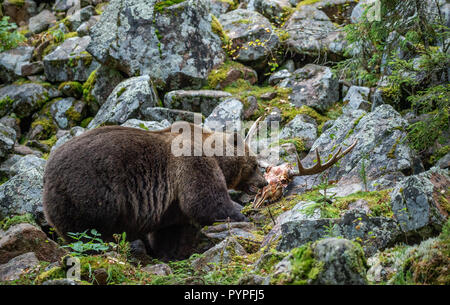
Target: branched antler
319 167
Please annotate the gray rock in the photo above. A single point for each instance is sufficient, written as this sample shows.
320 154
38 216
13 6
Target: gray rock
444 162
219 7
314 86
234 229
301 127
379 137
18 266
32 68
172 115
103 81
278 76
343 262
70 61
64 5
357 98
312 33
41 21
174 45
243 28
76 20
375 233
84 28
218 255
226 117
74 132
68 112
298 213
60 282
275 10
26 163
23 194
126 102
417 203
24 237
7 140
158 269
6 165
11 62
203 101
25 99
146 125
333 261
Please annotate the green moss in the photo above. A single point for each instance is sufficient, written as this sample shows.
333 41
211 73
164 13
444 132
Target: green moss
305 268
162 5
73 115
391 153
378 202
86 122
217 29
48 128
52 274
9 221
88 86
18 3
352 130
70 35
305 2
71 88
6 102
51 141
121 91
218 75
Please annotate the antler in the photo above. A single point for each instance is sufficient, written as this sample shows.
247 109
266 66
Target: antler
319 167
252 131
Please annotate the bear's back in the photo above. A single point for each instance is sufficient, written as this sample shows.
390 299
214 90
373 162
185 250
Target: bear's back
111 178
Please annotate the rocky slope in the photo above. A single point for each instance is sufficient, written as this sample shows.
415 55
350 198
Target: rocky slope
379 217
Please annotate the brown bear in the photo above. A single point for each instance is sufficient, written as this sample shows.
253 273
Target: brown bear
118 179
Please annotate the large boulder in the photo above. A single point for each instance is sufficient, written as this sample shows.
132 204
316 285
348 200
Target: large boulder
41 21
24 237
11 63
18 266
126 102
330 261
99 86
70 61
312 33
203 101
25 99
314 86
420 203
374 233
23 192
67 112
159 114
380 153
252 36
227 116
301 127
218 255
174 44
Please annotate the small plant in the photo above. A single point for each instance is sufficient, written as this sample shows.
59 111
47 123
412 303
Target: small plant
86 243
9 37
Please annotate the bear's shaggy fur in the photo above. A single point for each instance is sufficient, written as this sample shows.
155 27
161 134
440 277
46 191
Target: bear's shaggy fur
118 179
